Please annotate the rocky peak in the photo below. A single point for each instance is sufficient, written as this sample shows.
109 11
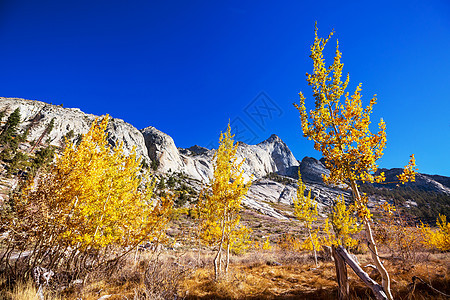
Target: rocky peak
282 157
273 139
198 149
312 169
161 148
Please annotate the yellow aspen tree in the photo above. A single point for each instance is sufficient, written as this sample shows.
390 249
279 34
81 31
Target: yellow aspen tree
94 199
104 187
338 232
305 209
340 130
266 245
344 224
220 203
340 226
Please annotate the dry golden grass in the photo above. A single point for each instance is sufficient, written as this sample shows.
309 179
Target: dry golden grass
149 277
271 274
301 280
26 291
258 274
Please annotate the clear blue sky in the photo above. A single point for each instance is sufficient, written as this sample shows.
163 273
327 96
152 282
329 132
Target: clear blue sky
187 67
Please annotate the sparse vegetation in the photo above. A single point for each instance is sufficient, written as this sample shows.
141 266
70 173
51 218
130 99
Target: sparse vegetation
423 205
280 179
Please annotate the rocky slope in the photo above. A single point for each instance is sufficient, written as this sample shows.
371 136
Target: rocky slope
39 114
424 182
268 157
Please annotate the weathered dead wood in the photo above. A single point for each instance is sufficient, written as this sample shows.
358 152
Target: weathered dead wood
375 287
341 275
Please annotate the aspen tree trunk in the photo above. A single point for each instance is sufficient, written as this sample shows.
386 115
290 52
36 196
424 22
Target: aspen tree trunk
218 258
227 259
385 280
341 275
198 246
218 261
227 263
314 247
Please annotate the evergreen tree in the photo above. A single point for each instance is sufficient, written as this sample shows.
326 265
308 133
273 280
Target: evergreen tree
161 184
42 158
18 162
2 114
8 136
10 129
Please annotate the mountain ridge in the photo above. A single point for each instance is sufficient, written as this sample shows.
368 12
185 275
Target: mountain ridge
270 156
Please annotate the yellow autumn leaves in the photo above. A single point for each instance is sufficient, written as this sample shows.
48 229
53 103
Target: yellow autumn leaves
439 238
338 229
96 196
220 203
340 130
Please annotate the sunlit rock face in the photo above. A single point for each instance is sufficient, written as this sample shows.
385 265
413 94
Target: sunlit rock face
269 156
72 121
312 170
151 144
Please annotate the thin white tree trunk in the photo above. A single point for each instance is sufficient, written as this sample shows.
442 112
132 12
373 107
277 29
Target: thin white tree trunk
385 280
217 264
227 263
314 247
218 258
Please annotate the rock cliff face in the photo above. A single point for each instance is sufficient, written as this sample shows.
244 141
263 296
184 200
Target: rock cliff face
424 182
269 156
312 169
161 148
70 119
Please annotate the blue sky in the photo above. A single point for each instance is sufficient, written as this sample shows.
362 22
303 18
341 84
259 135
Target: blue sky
187 67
